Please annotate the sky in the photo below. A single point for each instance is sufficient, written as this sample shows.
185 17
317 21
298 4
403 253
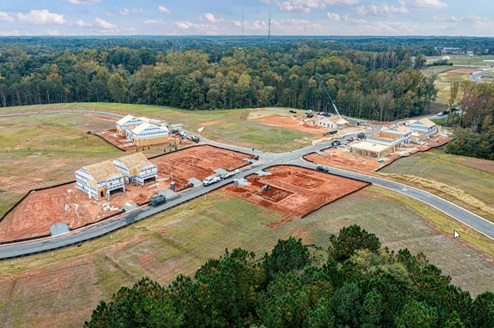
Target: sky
247 17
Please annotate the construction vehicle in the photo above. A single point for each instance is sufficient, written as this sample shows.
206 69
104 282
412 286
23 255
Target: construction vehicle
329 96
157 200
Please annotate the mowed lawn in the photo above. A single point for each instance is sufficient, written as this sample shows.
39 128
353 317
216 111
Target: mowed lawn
475 177
62 287
228 126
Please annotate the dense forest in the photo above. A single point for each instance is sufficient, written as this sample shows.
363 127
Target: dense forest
378 81
355 283
474 129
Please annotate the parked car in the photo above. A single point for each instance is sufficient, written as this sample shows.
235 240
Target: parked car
293 111
322 168
361 135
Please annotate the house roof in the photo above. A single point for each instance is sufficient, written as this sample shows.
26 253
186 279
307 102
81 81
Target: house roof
401 129
144 126
426 122
334 120
102 171
135 161
125 119
338 120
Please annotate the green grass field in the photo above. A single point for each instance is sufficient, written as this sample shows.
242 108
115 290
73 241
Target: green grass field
65 285
233 125
466 60
475 177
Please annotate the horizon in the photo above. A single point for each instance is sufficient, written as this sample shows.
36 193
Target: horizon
345 18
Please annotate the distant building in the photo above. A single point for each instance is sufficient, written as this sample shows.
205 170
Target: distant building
99 180
333 122
424 128
126 124
370 149
136 168
391 140
403 131
147 134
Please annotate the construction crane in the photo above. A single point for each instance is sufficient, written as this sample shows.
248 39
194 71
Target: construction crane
329 96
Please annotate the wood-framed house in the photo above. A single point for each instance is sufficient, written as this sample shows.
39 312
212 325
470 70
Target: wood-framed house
99 180
136 168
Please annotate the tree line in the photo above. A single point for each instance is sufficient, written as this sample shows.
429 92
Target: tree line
374 85
473 116
355 283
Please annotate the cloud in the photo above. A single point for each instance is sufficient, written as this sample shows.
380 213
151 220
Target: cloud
381 10
333 16
127 12
154 22
204 29
211 19
104 24
83 2
81 23
40 17
11 33
342 2
427 4
163 10
305 6
6 17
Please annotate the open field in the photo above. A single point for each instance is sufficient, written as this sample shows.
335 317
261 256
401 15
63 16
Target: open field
456 178
465 60
227 126
64 286
34 216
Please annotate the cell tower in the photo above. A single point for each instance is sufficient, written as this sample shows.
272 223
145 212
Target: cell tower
242 24
269 30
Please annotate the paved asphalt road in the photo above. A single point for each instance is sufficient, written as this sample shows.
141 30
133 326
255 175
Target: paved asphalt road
266 160
477 76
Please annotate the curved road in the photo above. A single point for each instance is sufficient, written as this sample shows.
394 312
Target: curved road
266 160
477 76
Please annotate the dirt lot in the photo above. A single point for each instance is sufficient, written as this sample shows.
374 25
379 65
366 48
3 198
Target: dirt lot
294 191
342 158
301 124
197 162
40 210
462 71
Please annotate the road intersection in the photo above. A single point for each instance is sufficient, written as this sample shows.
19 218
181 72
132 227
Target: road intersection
265 161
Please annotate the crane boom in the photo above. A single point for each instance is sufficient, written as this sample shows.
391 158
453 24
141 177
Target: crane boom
329 96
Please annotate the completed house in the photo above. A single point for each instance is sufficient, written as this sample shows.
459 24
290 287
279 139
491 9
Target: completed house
99 180
136 168
333 122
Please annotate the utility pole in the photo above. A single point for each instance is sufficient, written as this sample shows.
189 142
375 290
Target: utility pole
242 24
269 30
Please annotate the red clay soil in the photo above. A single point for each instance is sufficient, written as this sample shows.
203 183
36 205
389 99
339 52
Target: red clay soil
462 71
117 140
40 210
294 191
342 158
291 123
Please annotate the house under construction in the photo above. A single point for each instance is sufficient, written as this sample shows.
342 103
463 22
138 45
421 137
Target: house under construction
136 168
99 180
142 131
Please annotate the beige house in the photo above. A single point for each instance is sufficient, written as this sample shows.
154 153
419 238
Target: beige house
333 122
147 134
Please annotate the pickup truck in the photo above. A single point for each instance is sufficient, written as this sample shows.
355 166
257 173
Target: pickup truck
210 180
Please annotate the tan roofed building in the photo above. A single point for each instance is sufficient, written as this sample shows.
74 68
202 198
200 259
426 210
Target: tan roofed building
147 134
136 168
99 180
333 122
